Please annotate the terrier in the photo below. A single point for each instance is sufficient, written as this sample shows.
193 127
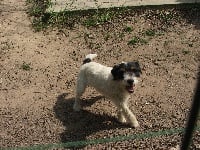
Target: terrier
115 83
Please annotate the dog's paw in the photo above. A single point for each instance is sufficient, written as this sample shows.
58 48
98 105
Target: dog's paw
76 107
121 119
134 124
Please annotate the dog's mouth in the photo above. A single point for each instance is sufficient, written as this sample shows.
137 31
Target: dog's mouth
130 88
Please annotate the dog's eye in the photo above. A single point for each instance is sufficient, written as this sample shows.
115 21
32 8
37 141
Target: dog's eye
122 70
120 73
137 74
134 70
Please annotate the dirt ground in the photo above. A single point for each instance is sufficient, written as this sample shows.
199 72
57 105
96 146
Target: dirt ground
38 72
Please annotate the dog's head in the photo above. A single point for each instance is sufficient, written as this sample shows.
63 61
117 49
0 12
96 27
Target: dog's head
128 73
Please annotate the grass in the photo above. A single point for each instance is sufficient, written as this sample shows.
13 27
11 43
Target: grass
43 19
107 37
128 29
92 18
185 52
136 40
150 32
37 9
26 66
166 16
98 19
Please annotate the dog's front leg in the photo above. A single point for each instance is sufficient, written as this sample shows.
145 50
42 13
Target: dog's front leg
120 116
130 117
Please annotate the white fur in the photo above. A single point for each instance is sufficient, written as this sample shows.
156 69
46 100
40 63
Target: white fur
100 77
91 56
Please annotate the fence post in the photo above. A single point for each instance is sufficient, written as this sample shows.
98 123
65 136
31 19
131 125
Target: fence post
194 112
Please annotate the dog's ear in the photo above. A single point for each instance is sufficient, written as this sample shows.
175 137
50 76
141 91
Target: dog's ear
114 71
118 71
138 69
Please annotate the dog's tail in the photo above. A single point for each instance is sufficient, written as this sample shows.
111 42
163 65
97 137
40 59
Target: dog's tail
89 58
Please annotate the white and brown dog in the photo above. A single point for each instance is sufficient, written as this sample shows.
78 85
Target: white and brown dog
116 83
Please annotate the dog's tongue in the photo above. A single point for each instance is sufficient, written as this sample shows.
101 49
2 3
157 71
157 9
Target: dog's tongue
130 89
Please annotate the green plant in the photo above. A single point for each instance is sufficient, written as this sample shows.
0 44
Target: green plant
128 29
143 41
90 22
107 36
42 18
150 32
185 52
135 40
98 18
26 66
121 35
37 9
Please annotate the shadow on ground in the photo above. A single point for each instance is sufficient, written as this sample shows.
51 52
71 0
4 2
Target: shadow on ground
188 11
192 14
79 125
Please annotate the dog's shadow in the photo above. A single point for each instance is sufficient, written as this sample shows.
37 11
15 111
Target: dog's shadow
79 125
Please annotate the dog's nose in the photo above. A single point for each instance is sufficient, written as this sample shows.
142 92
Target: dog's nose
130 81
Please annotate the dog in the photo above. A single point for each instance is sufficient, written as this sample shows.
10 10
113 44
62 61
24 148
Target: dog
115 83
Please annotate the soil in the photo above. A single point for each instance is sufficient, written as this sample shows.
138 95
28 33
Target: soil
36 100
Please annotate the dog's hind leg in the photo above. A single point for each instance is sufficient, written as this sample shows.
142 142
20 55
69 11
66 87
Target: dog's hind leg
80 89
